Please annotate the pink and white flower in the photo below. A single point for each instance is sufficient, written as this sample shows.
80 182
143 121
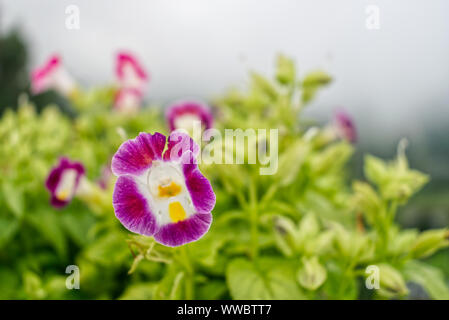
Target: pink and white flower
52 76
130 73
162 194
128 100
344 126
64 181
184 113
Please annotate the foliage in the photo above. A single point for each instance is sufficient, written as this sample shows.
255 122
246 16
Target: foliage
305 232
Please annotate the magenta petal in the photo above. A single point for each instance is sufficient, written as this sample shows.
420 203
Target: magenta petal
54 177
200 189
38 75
135 155
182 232
201 110
346 126
131 207
124 58
58 204
178 144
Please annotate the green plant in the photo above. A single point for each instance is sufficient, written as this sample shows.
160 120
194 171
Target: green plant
301 233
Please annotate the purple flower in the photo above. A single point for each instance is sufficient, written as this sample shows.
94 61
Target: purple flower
128 100
130 72
183 114
345 126
52 75
63 182
162 194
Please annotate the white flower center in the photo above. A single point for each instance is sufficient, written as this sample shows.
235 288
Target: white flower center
187 122
66 187
171 200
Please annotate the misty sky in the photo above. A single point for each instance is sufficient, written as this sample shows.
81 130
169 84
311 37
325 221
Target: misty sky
394 80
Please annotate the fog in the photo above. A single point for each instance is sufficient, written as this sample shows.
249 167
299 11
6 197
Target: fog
393 79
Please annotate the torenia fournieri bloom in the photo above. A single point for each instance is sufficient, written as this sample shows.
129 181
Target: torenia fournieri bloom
130 73
183 115
64 182
52 75
128 100
345 126
162 194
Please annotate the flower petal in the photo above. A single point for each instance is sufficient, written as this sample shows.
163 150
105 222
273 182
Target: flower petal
182 232
345 126
124 58
179 143
180 108
40 75
200 189
136 155
55 176
132 208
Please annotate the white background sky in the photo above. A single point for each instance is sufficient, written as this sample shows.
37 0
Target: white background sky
394 80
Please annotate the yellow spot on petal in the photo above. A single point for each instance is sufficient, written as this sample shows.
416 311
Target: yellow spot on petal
176 211
171 190
63 195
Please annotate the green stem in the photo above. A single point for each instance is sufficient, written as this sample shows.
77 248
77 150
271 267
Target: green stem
254 219
190 273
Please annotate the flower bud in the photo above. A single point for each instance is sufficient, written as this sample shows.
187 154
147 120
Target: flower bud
430 241
392 283
312 275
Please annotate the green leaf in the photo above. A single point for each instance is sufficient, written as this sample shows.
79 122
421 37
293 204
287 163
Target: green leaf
10 282
266 279
8 228
430 278
428 242
367 201
285 70
48 225
33 286
264 85
290 162
392 283
110 249
312 82
139 291
205 251
212 290
375 170
172 285
332 159
312 274
77 223
316 78
13 198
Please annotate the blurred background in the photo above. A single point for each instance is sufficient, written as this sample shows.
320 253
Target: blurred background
393 80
